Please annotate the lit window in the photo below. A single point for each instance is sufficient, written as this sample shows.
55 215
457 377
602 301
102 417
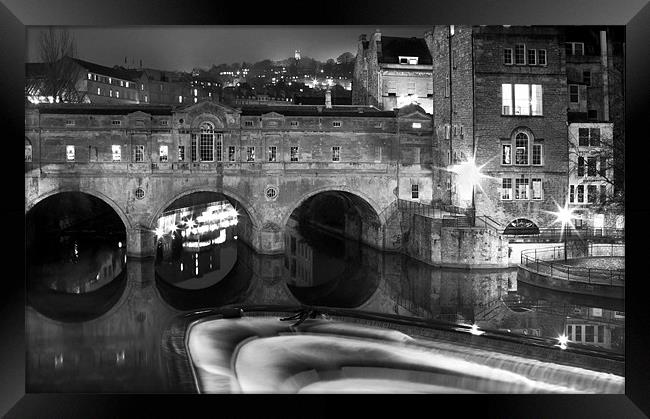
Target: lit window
181 153
180 99
527 99
99 91
164 153
336 153
110 92
250 154
122 83
537 188
417 125
506 99
336 124
90 76
521 148
415 191
273 153
522 99
541 57
537 154
506 154
294 154
507 56
520 54
117 94
138 153
231 153
574 93
506 189
521 188
69 152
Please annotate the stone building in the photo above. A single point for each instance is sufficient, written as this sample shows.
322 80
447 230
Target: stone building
392 72
118 85
96 83
501 99
596 125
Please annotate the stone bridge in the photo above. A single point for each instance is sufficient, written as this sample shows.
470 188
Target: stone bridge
377 149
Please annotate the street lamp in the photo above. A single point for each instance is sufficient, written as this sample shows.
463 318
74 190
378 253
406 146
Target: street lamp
469 175
564 215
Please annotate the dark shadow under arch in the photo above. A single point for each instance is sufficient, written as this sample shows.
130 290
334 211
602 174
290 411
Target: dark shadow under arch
521 226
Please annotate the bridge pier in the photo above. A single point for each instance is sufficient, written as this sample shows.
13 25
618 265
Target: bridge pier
140 242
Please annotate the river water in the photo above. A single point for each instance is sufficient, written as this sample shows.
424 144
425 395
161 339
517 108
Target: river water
95 319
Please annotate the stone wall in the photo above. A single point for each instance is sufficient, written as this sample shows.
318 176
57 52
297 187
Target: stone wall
430 242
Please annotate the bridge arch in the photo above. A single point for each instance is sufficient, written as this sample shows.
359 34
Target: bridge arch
30 204
335 188
253 214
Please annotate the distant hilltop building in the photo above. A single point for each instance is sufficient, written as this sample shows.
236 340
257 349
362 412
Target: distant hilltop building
296 55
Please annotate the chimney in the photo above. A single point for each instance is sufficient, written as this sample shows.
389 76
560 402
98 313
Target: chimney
328 99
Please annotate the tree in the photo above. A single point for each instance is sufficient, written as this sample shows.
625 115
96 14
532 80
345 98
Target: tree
62 72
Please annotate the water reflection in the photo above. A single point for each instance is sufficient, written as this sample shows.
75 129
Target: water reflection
108 337
76 263
197 245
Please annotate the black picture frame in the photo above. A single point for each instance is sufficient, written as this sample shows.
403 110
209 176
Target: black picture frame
15 15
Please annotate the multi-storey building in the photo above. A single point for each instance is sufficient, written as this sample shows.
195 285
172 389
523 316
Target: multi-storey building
392 72
118 85
94 83
500 99
594 58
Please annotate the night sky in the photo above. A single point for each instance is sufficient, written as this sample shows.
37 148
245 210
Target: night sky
184 48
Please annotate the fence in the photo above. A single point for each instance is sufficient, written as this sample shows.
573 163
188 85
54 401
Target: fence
549 261
557 234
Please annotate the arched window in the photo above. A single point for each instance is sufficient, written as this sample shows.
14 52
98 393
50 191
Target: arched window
521 148
208 143
28 150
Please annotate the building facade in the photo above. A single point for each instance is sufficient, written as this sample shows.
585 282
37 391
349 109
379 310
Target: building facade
392 72
515 101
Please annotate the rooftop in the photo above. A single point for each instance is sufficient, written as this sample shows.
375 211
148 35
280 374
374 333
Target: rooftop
392 47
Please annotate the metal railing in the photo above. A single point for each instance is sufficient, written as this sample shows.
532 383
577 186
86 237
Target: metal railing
557 234
434 210
552 261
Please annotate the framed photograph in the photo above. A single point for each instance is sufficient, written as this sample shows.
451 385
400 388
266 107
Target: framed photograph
356 202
